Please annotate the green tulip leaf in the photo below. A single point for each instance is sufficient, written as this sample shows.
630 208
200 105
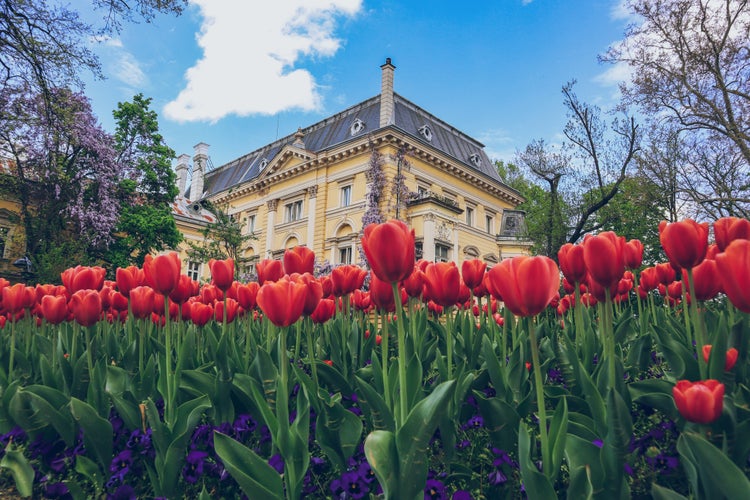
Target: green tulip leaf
382 455
662 493
537 485
94 428
256 478
715 471
500 419
413 438
558 431
20 469
338 432
381 417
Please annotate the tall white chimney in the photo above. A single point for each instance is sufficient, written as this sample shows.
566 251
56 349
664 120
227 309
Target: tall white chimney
386 93
200 159
183 162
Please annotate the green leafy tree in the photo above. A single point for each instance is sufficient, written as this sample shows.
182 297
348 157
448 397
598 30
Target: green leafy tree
222 239
146 189
539 229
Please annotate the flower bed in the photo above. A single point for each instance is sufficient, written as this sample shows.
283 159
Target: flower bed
435 382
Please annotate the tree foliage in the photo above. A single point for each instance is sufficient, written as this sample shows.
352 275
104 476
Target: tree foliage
64 172
582 176
690 71
45 44
146 188
222 239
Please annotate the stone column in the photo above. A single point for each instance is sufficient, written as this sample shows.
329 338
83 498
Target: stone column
428 242
312 194
273 205
200 160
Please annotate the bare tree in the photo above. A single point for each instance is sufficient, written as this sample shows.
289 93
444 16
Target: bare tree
662 161
583 176
550 166
690 62
605 153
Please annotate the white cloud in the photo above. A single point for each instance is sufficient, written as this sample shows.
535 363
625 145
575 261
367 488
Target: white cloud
119 63
249 53
617 73
620 11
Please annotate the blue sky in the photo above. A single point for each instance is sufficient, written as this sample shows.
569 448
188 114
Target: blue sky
237 74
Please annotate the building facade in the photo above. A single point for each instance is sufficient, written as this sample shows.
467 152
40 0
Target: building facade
383 158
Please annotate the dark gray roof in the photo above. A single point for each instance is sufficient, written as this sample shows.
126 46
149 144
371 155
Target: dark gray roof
336 129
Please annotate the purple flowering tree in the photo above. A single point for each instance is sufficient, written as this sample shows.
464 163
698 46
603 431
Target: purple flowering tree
62 172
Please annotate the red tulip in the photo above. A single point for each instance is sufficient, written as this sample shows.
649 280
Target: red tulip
186 288
232 308
142 301
325 311
728 229
119 302
571 261
734 268
700 402
665 272
472 272
18 297
633 254
649 279
346 279
706 280
604 258
282 301
414 284
86 306
381 294
269 270
83 278
54 309
527 284
222 273
210 294
201 313
442 283
360 300
314 292
162 272
684 242
299 259
129 278
389 248
246 295
729 361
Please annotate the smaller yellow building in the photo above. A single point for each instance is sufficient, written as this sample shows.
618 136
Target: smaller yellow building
380 159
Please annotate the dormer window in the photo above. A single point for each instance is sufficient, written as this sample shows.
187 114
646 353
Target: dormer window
426 132
476 160
357 127
263 163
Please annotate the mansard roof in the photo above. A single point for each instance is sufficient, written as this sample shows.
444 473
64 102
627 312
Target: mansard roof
355 123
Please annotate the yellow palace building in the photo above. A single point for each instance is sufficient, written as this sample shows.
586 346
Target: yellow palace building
380 159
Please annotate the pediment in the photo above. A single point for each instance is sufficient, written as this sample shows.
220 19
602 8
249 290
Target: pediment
286 160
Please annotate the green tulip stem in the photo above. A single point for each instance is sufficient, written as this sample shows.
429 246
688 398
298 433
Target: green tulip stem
384 357
89 355
141 342
402 361
578 317
538 385
609 337
686 316
698 325
449 340
169 401
12 350
311 354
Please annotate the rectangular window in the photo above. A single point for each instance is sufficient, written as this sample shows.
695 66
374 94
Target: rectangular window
469 216
345 255
346 196
251 223
293 211
418 250
442 253
194 270
490 223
